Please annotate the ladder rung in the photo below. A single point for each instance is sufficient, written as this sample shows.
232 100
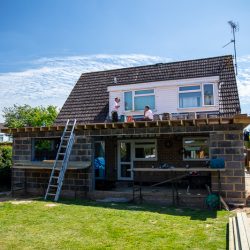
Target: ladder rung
61 153
55 177
51 194
53 185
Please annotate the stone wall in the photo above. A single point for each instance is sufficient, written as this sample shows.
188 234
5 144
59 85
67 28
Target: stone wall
229 146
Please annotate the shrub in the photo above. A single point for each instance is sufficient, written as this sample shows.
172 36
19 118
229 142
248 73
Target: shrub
5 165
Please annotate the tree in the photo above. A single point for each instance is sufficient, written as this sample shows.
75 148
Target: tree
27 116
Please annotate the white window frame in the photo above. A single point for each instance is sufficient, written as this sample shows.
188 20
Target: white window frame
194 138
138 95
145 146
201 85
131 163
119 162
203 99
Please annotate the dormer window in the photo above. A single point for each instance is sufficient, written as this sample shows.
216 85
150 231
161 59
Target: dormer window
190 96
136 100
196 96
208 90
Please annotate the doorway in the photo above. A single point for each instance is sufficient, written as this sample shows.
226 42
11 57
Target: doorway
125 160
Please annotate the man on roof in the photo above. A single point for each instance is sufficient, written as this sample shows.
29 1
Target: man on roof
148 114
115 110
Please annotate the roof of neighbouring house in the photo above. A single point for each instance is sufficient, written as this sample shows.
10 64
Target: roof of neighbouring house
88 101
2 126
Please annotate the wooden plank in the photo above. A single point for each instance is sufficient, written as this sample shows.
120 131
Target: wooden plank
236 234
176 169
242 232
242 119
246 226
231 234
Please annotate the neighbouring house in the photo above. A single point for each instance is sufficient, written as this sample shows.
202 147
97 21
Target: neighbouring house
4 138
197 118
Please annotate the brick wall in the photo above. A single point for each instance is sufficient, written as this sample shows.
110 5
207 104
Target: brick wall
229 146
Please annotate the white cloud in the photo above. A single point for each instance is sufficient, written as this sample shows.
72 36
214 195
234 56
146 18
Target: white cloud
50 80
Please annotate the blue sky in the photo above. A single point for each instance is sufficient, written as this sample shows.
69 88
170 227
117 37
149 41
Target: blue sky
46 44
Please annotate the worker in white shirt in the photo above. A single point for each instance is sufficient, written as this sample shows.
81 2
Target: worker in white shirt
148 114
115 110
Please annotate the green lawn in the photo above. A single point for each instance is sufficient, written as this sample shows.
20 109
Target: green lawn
92 225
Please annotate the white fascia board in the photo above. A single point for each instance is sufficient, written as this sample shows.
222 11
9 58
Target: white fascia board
147 85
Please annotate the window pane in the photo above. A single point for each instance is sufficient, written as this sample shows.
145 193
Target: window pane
142 92
189 100
189 88
125 170
46 149
196 148
145 152
142 101
128 100
208 94
125 152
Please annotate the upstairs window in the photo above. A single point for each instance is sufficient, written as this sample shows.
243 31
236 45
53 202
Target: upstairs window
208 90
196 96
137 100
190 97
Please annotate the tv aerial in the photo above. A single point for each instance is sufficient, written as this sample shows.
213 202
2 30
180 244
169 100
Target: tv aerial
234 28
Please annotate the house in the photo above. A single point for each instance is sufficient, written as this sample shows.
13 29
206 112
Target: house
4 138
198 119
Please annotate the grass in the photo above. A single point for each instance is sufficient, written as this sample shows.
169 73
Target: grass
92 225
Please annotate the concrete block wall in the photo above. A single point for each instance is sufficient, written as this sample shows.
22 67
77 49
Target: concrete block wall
229 145
35 181
22 146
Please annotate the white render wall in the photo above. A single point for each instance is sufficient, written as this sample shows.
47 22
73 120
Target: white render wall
166 95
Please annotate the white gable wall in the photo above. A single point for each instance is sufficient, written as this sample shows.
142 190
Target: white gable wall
166 95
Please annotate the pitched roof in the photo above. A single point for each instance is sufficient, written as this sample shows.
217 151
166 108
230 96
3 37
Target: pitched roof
88 101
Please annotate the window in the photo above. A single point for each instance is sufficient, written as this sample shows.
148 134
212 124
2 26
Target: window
1 138
195 149
137 100
145 150
196 96
45 149
208 94
189 97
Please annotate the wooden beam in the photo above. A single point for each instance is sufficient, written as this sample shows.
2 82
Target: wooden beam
80 127
99 126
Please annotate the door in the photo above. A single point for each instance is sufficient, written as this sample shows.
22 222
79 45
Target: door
125 163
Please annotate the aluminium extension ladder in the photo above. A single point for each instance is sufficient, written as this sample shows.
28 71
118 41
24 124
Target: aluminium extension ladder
60 166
